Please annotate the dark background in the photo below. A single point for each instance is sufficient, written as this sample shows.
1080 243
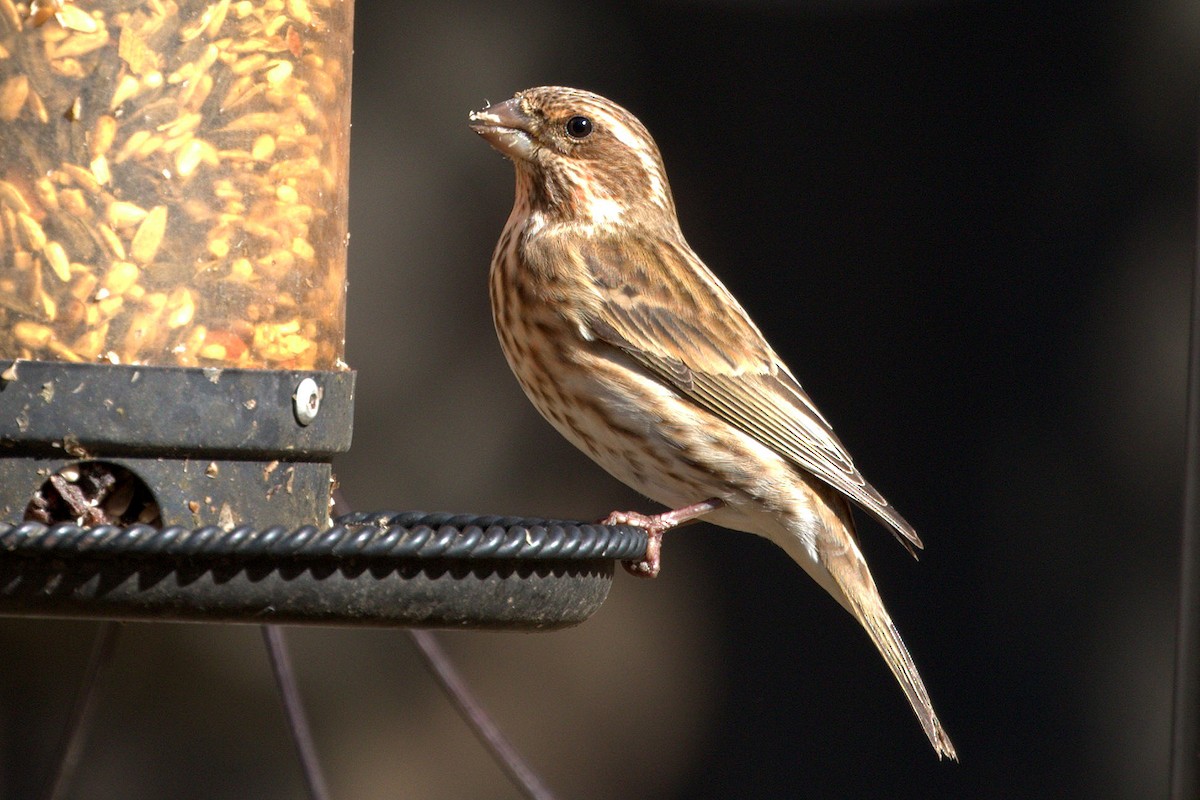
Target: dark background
968 227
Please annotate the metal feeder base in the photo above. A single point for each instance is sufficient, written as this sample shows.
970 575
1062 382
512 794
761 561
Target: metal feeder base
234 449
212 445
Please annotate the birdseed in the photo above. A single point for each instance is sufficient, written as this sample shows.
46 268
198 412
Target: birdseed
172 181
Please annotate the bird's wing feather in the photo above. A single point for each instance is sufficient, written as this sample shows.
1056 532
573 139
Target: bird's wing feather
680 323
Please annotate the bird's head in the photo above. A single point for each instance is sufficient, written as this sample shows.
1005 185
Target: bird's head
580 158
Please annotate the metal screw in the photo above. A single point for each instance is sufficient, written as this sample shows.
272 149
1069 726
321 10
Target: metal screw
306 401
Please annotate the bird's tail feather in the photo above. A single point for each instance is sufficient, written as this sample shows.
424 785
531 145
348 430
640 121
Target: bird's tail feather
864 602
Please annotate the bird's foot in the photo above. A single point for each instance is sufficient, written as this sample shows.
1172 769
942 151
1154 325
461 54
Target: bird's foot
655 526
651 562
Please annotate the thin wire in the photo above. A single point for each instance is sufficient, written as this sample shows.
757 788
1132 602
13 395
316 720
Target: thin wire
1185 738
465 702
71 746
289 693
473 713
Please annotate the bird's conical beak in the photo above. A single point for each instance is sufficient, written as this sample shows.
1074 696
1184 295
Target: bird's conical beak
506 128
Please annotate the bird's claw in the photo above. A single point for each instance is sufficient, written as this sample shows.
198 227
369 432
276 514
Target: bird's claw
655 526
651 563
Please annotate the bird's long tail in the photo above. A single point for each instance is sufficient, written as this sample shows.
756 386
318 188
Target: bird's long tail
848 568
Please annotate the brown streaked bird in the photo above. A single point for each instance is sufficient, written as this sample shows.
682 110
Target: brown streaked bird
633 350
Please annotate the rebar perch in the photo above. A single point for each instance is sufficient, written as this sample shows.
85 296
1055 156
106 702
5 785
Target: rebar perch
383 568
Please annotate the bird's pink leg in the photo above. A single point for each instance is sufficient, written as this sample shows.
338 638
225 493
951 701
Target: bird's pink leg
656 525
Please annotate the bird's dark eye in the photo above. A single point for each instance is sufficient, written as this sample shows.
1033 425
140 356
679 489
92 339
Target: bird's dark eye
579 127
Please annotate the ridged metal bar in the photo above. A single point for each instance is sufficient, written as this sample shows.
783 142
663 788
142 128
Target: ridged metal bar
385 568
380 536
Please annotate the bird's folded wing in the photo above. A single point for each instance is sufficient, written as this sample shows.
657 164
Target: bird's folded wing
716 357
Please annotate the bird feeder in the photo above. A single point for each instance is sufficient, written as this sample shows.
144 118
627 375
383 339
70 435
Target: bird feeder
173 231
173 259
